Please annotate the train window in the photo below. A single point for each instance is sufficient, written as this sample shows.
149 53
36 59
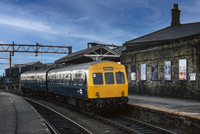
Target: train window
120 77
41 79
80 82
67 76
67 82
54 79
97 78
78 75
109 78
75 82
63 79
66 79
70 80
59 79
85 79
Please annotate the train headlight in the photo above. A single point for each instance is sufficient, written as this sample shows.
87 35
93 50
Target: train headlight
123 93
97 94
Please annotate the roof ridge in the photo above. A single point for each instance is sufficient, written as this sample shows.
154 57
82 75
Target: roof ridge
147 34
168 33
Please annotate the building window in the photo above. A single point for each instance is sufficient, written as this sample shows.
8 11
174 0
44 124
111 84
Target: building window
143 72
182 69
154 71
167 71
133 72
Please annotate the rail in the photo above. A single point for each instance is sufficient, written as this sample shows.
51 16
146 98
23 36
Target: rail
60 123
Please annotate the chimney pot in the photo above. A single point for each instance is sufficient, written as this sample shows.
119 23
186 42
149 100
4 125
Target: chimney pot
175 6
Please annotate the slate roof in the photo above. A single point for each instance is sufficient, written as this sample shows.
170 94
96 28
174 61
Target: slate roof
120 49
168 34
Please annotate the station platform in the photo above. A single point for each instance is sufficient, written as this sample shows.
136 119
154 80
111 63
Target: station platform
189 108
19 117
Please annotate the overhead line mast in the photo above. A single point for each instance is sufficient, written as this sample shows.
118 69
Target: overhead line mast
12 48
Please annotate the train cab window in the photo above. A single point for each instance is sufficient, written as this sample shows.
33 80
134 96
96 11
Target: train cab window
109 78
97 78
120 77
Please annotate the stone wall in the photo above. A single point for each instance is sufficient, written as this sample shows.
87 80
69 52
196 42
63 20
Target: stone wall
178 123
172 51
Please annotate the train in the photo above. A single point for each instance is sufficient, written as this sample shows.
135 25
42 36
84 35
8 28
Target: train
94 86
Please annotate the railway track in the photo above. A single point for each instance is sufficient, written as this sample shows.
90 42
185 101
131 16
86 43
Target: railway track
56 122
122 124
128 125
135 126
146 126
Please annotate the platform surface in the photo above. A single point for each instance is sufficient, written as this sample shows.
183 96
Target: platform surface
189 108
17 116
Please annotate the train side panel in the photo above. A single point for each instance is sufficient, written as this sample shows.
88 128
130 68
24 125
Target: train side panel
71 83
34 81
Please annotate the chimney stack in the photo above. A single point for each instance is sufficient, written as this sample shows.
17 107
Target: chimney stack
175 16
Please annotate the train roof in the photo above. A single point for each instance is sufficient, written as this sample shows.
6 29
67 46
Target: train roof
66 68
35 72
78 66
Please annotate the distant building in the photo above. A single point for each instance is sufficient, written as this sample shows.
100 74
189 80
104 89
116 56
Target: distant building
17 69
1 80
165 62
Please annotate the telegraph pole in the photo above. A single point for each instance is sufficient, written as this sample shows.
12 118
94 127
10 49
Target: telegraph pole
10 60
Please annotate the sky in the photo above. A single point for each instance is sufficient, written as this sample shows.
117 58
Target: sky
78 22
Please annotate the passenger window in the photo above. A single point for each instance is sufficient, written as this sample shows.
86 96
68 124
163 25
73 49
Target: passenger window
67 82
120 77
75 82
80 82
97 78
85 79
109 78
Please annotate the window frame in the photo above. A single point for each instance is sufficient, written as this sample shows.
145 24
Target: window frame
123 81
102 82
109 78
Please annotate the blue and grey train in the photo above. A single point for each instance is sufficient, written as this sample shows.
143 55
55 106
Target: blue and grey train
99 84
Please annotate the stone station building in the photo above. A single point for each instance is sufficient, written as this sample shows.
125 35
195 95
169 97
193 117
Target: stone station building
165 62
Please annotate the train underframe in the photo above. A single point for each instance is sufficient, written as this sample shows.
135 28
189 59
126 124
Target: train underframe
97 106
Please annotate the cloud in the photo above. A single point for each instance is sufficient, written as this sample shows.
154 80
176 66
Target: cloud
3 42
71 22
88 21
190 11
191 7
47 59
27 24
